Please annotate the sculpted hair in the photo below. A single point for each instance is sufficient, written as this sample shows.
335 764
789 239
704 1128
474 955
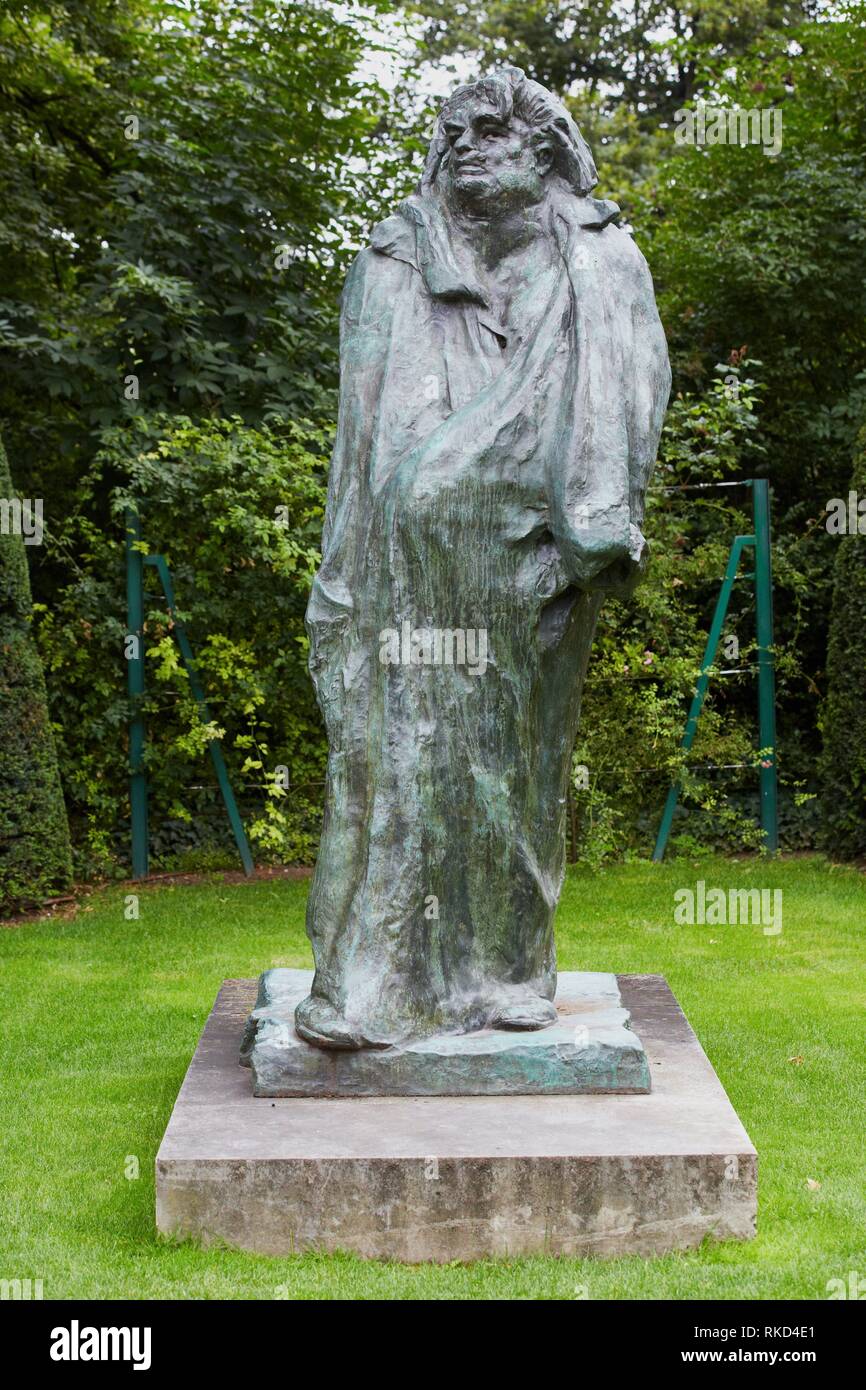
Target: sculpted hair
511 93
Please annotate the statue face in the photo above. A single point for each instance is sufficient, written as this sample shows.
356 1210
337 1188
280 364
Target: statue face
494 165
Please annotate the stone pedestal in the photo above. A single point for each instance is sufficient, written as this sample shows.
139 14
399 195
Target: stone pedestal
459 1177
590 1050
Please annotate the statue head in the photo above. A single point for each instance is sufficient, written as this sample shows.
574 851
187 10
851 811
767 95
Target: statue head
497 143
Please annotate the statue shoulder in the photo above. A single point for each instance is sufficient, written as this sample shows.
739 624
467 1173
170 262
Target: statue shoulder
592 222
622 254
596 213
371 286
395 238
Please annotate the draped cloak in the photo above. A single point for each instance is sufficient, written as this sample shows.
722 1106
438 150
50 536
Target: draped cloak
486 476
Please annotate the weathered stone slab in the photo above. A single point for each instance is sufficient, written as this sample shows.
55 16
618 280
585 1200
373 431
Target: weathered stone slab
590 1050
463 1177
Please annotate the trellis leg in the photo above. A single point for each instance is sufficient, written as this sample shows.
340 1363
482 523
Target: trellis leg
715 634
135 687
766 665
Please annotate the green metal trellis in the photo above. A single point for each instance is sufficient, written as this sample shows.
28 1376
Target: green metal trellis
135 562
759 541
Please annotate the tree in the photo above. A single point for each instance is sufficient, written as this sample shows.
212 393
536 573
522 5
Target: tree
651 55
843 765
35 857
181 194
767 251
184 185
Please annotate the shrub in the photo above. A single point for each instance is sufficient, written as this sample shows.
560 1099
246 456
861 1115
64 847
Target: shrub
843 723
34 834
237 513
648 651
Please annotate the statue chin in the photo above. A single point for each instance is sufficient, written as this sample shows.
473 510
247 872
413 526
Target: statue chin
476 196
481 194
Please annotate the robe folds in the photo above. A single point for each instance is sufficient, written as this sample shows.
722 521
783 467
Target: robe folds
487 478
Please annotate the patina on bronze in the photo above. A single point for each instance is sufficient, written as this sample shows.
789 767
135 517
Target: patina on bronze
504 380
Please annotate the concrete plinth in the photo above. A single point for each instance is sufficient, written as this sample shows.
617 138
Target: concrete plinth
459 1177
591 1049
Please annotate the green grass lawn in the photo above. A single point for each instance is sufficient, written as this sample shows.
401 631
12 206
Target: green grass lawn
100 1017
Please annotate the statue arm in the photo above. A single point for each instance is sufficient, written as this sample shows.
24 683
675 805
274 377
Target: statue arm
622 383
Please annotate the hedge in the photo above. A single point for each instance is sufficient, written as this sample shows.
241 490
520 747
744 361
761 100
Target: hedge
35 855
843 764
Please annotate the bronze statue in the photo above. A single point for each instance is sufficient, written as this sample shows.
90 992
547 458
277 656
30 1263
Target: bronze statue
504 381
